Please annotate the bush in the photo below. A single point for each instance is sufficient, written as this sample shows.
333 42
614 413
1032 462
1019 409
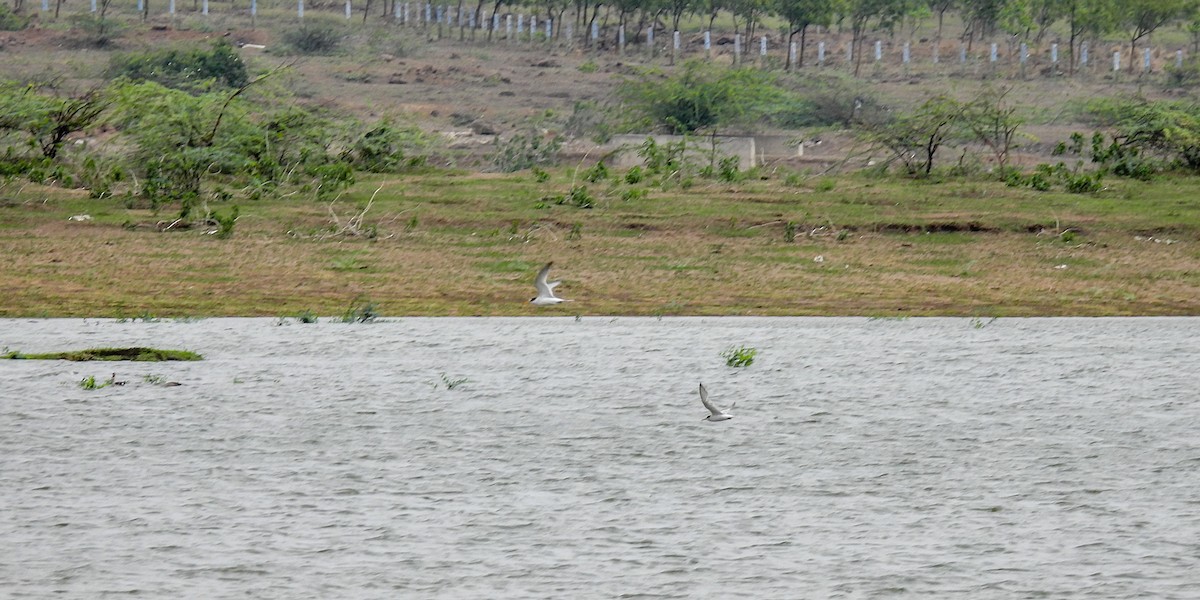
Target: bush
10 21
387 147
699 97
313 38
526 150
1185 75
183 69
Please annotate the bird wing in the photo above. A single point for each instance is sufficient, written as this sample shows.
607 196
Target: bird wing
544 288
704 400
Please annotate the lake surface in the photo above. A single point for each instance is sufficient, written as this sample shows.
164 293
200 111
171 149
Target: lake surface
555 458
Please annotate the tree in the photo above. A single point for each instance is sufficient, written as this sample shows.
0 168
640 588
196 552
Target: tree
1140 18
861 13
1087 17
993 122
800 14
915 138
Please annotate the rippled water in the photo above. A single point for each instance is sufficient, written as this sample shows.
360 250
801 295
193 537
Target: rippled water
952 458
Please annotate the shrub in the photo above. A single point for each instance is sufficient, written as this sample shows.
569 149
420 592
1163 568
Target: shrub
10 21
183 69
313 38
700 97
387 147
526 150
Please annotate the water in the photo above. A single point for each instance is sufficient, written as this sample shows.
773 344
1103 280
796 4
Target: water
1017 458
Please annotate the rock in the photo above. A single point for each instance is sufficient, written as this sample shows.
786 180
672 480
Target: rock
397 79
547 64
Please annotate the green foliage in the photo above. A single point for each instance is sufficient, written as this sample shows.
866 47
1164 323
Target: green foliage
93 31
789 232
1044 177
89 383
360 312
10 21
699 97
826 99
598 172
1149 135
190 69
313 37
225 223
739 357
1185 75
43 121
306 316
634 175
589 67
388 148
914 138
526 150
540 175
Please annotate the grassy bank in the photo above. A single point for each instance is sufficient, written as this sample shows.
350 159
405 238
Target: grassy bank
448 243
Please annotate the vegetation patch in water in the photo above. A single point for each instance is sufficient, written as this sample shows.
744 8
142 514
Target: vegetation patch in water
135 354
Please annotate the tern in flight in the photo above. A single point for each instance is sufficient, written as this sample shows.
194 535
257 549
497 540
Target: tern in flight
717 414
545 289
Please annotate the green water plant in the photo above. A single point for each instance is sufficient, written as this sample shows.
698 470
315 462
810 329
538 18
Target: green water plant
136 353
740 356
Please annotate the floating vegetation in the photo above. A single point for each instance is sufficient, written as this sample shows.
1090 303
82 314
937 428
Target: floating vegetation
452 383
135 354
980 323
739 357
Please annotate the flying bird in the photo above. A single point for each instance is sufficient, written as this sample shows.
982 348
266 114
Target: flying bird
717 414
545 289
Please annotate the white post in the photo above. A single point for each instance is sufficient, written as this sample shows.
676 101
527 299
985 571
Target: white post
532 26
471 20
495 22
962 54
878 50
707 41
595 31
994 55
570 33
253 9
621 39
850 53
1054 54
1083 54
93 5
1116 61
821 54
762 46
347 9
171 8
549 28
675 40
737 48
906 54
1146 60
300 8
520 25
937 50
508 32
1178 59
203 8
650 38
792 55
1024 52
